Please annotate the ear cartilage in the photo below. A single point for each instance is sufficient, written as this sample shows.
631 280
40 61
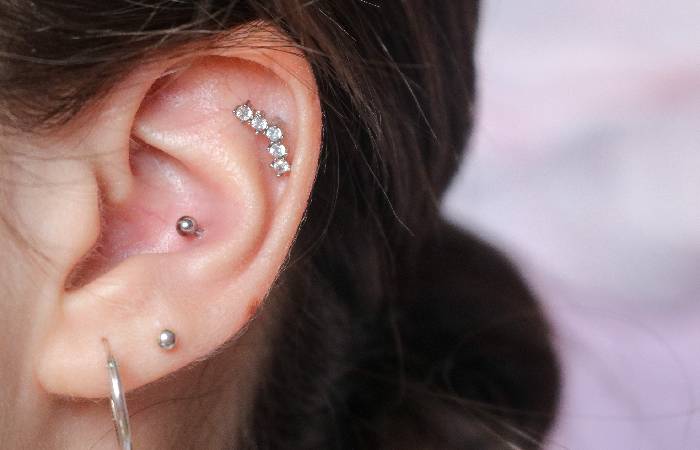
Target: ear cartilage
187 226
166 340
257 121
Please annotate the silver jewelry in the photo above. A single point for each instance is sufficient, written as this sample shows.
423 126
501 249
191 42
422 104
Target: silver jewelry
187 226
274 134
120 414
166 340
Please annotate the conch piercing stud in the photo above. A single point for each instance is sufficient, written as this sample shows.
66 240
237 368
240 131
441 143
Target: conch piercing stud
120 414
166 340
187 226
257 121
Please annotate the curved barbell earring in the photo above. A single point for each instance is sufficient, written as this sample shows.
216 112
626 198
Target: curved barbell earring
260 124
120 414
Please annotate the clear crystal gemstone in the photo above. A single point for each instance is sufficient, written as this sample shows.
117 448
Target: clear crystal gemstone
281 166
274 133
244 113
259 123
277 150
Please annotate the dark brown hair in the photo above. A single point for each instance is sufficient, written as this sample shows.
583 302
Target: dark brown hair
398 330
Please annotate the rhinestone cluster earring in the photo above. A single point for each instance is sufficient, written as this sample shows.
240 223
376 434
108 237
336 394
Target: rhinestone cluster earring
257 121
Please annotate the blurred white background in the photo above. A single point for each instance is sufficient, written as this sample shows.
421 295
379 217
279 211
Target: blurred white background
585 169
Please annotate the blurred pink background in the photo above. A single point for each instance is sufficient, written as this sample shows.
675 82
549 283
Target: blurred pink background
585 168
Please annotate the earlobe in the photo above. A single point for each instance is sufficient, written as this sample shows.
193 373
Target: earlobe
192 153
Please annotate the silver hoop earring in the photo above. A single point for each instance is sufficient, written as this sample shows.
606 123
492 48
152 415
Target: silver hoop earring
117 401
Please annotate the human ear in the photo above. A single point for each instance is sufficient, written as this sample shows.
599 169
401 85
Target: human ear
175 148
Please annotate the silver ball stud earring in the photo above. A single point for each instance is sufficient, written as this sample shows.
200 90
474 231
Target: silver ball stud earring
188 227
166 340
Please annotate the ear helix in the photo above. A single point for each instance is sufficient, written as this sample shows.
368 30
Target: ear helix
258 122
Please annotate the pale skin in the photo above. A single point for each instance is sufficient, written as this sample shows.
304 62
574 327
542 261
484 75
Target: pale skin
90 249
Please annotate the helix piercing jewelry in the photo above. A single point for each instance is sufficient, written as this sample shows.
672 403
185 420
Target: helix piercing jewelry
274 134
167 340
187 226
120 414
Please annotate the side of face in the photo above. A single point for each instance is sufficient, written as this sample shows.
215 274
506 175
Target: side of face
89 213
